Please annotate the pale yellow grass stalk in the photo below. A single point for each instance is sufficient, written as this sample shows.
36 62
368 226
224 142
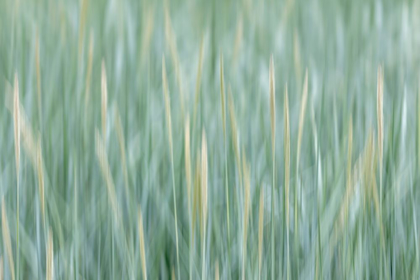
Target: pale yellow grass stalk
148 24
28 139
82 23
272 86
260 231
188 162
189 183
169 127
302 118
238 39
418 126
40 171
216 272
142 245
106 173
104 99
204 202
173 273
222 97
223 105
349 153
299 144
297 56
197 193
198 83
38 75
247 183
235 135
6 239
380 117
171 41
16 120
50 257
287 174
89 71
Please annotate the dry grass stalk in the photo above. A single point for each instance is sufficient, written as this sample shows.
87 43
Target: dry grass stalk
418 126
297 56
173 273
235 134
204 197
286 154
216 273
82 23
197 194
6 238
204 201
378 211
247 183
89 71
349 153
104 98
148 16
287 173
223 105
167 105
380 117
302 118
222 97
299 144
260 231
106 173
272 104
40 171
272 87
38 74
50 257
142 245
171 41
169 127
16 121
188 162
29 144
189 183
238 39
198 82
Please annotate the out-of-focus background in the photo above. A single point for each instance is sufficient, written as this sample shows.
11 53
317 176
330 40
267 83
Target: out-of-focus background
152 144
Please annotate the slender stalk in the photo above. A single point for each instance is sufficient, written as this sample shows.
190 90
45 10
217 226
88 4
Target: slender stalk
16 119
287 175
169 126
223 105
273 142
204 201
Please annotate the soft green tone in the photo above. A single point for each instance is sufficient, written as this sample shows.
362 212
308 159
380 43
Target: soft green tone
345 221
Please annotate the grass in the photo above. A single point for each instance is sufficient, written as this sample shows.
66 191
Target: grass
147 140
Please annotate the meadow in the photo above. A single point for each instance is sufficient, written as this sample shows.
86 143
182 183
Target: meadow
250 139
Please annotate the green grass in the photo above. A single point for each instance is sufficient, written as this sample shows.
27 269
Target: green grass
170 172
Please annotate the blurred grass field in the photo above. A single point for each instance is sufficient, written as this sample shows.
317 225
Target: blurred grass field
252 139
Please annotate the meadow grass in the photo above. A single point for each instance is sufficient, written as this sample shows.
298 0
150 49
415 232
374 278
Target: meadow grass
147 140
